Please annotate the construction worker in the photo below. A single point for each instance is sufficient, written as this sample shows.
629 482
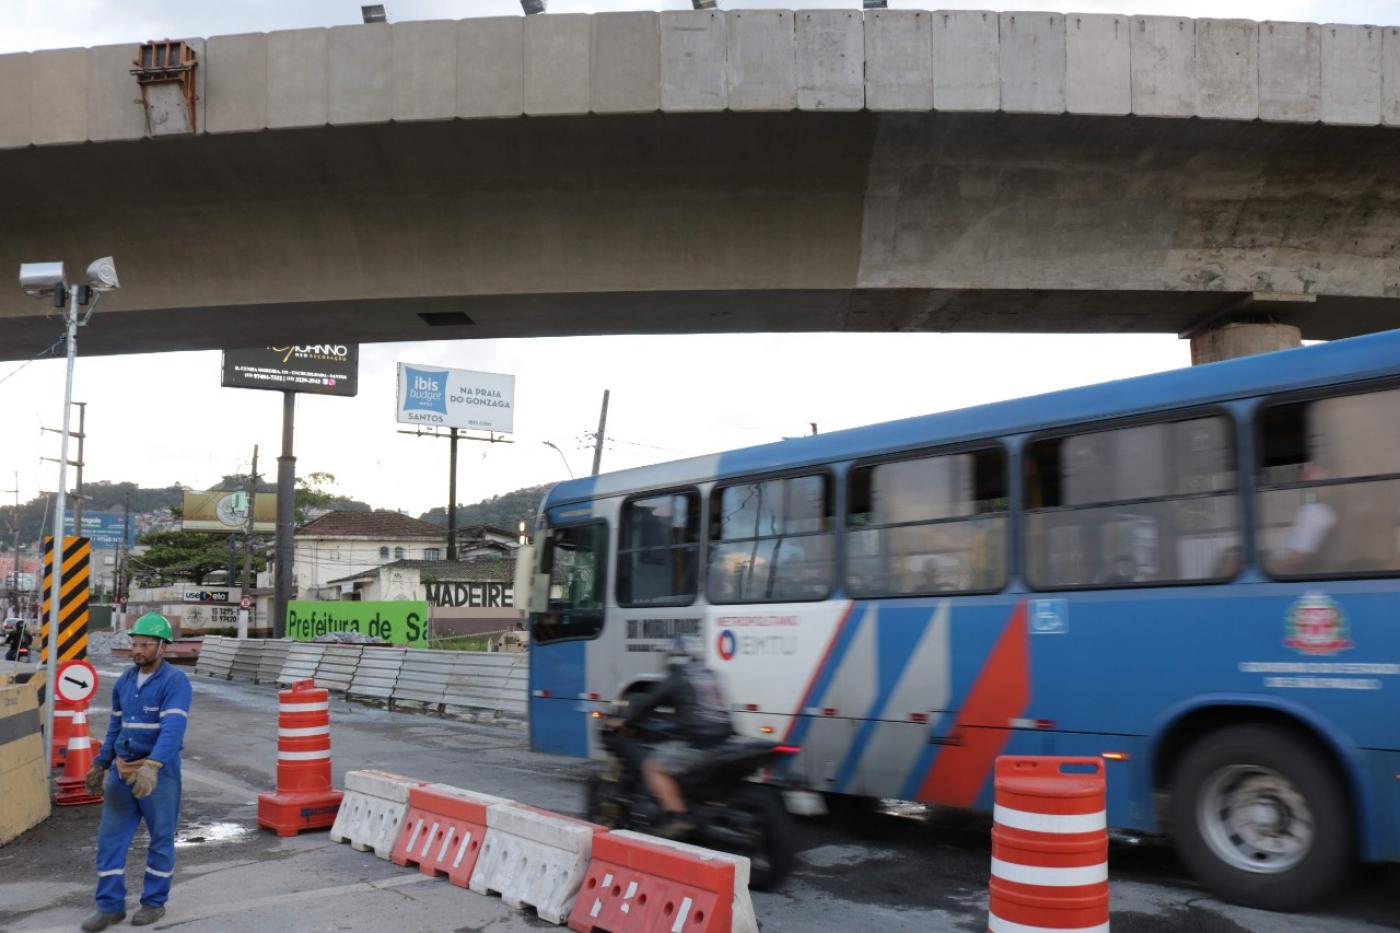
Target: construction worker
150 709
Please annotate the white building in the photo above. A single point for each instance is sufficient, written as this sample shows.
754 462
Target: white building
340 544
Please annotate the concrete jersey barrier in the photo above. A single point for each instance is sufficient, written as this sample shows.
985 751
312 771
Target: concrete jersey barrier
337 666
247 657
302 659
377 673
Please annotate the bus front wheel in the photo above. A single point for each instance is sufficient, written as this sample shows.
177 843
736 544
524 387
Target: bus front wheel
1259 817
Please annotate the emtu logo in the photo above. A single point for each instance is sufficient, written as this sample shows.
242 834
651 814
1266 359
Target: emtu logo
425 390
727 644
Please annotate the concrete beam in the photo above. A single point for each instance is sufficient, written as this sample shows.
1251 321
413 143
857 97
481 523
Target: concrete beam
58 111
1351 74
424 70
558 52
1227 69
899 60
762 60
1390 77
694 61
359 75
966 60
1098 78
830 60
491 67
114 107
1032 62
15 80
1163 50
1290 72
238 96
298 76
626 63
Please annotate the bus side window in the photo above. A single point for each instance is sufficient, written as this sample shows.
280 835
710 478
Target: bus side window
1329 486
1140 505
659 550
928 525
575 558
771 541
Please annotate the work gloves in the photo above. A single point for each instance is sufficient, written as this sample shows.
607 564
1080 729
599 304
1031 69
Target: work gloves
143 782
95 777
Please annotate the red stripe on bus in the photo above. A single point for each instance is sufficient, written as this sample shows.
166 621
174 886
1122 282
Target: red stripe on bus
812 681
1000 694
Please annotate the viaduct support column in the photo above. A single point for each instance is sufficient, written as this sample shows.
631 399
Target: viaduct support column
1246 327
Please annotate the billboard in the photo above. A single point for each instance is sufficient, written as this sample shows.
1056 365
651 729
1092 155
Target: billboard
397 622
226 510
103 528
456 398
323 368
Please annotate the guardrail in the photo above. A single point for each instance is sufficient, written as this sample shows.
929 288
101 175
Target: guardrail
436 680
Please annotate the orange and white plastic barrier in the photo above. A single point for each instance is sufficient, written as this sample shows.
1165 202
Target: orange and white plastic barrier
373 811
71 789
534 858
443 831
642 884
304 798
62 725
1049 847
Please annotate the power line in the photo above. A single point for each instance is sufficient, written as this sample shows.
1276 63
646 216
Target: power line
38 356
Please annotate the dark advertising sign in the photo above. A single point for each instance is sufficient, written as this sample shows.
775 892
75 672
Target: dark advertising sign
324 368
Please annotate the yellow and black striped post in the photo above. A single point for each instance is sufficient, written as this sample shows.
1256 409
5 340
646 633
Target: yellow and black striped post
73 598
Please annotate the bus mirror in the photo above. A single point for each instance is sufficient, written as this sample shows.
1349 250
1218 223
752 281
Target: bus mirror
524 573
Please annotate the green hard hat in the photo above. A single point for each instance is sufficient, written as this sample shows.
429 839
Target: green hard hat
154 625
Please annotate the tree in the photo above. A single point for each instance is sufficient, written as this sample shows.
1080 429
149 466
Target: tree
193 554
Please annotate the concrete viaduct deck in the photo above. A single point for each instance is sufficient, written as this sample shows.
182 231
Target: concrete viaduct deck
717 171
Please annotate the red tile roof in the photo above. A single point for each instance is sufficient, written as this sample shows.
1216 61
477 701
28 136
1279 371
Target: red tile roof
379 524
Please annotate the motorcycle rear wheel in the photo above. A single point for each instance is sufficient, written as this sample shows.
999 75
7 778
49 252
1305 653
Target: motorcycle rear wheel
772 857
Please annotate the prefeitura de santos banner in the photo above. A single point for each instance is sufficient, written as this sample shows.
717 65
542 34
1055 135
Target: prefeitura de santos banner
397 622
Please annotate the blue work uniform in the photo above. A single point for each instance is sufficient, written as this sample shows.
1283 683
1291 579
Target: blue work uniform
147 722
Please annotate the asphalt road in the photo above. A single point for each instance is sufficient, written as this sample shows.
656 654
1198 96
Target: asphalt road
903 868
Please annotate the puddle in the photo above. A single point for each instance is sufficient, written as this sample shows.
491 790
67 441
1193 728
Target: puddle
202 834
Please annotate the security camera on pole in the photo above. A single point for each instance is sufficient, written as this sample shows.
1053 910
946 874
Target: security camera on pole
49 280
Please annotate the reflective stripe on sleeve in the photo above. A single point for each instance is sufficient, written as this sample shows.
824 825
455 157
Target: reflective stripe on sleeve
174 712
140 725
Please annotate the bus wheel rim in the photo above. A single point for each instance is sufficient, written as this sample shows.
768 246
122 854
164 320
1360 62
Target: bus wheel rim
1255 819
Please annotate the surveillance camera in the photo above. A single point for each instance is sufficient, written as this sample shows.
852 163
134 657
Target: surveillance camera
39 279
102 274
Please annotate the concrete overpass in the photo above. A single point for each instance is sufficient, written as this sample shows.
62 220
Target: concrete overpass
720 171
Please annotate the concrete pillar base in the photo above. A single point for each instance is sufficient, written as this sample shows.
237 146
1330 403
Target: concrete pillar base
1234 339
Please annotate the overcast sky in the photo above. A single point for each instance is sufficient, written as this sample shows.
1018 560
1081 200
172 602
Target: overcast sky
162 418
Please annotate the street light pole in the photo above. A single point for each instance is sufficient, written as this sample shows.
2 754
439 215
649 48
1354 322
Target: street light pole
50 637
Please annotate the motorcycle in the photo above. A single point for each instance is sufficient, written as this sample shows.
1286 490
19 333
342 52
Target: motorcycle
731 813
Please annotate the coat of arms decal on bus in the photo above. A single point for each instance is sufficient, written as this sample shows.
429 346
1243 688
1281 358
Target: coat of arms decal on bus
1317 626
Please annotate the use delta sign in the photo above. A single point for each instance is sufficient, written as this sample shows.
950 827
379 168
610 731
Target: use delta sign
397 622
456 398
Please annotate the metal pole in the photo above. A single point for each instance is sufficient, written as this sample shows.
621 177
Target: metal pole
452 497
78 504
286 516
598 438
245 615
14 554
50 639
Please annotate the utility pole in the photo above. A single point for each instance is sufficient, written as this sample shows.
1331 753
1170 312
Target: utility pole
244 615
122 554
286 515
452 439
14 552
598 438
81 435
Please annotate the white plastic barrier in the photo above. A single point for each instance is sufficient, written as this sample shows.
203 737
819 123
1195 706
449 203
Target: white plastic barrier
373 811
534 858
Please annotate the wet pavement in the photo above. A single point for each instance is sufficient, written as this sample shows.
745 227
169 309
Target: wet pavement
897 869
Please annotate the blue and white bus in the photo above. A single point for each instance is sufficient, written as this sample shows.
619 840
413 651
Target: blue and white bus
1194 574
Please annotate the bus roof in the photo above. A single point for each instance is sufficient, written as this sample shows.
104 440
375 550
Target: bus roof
1340 361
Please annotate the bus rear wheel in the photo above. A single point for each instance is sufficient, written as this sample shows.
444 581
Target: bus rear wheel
1260 819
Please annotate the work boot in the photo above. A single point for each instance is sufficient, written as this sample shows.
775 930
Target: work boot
101 920
149 913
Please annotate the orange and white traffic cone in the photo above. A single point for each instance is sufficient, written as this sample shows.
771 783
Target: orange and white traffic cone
1049 846
305 798
62 726
71 790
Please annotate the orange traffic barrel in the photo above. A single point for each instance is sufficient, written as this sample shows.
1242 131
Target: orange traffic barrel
1049 846
304 798
71 789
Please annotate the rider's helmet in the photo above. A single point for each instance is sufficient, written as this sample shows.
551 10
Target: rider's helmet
683 650
153 625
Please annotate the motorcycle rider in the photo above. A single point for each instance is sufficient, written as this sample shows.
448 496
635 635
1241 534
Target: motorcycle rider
701 720
16 637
